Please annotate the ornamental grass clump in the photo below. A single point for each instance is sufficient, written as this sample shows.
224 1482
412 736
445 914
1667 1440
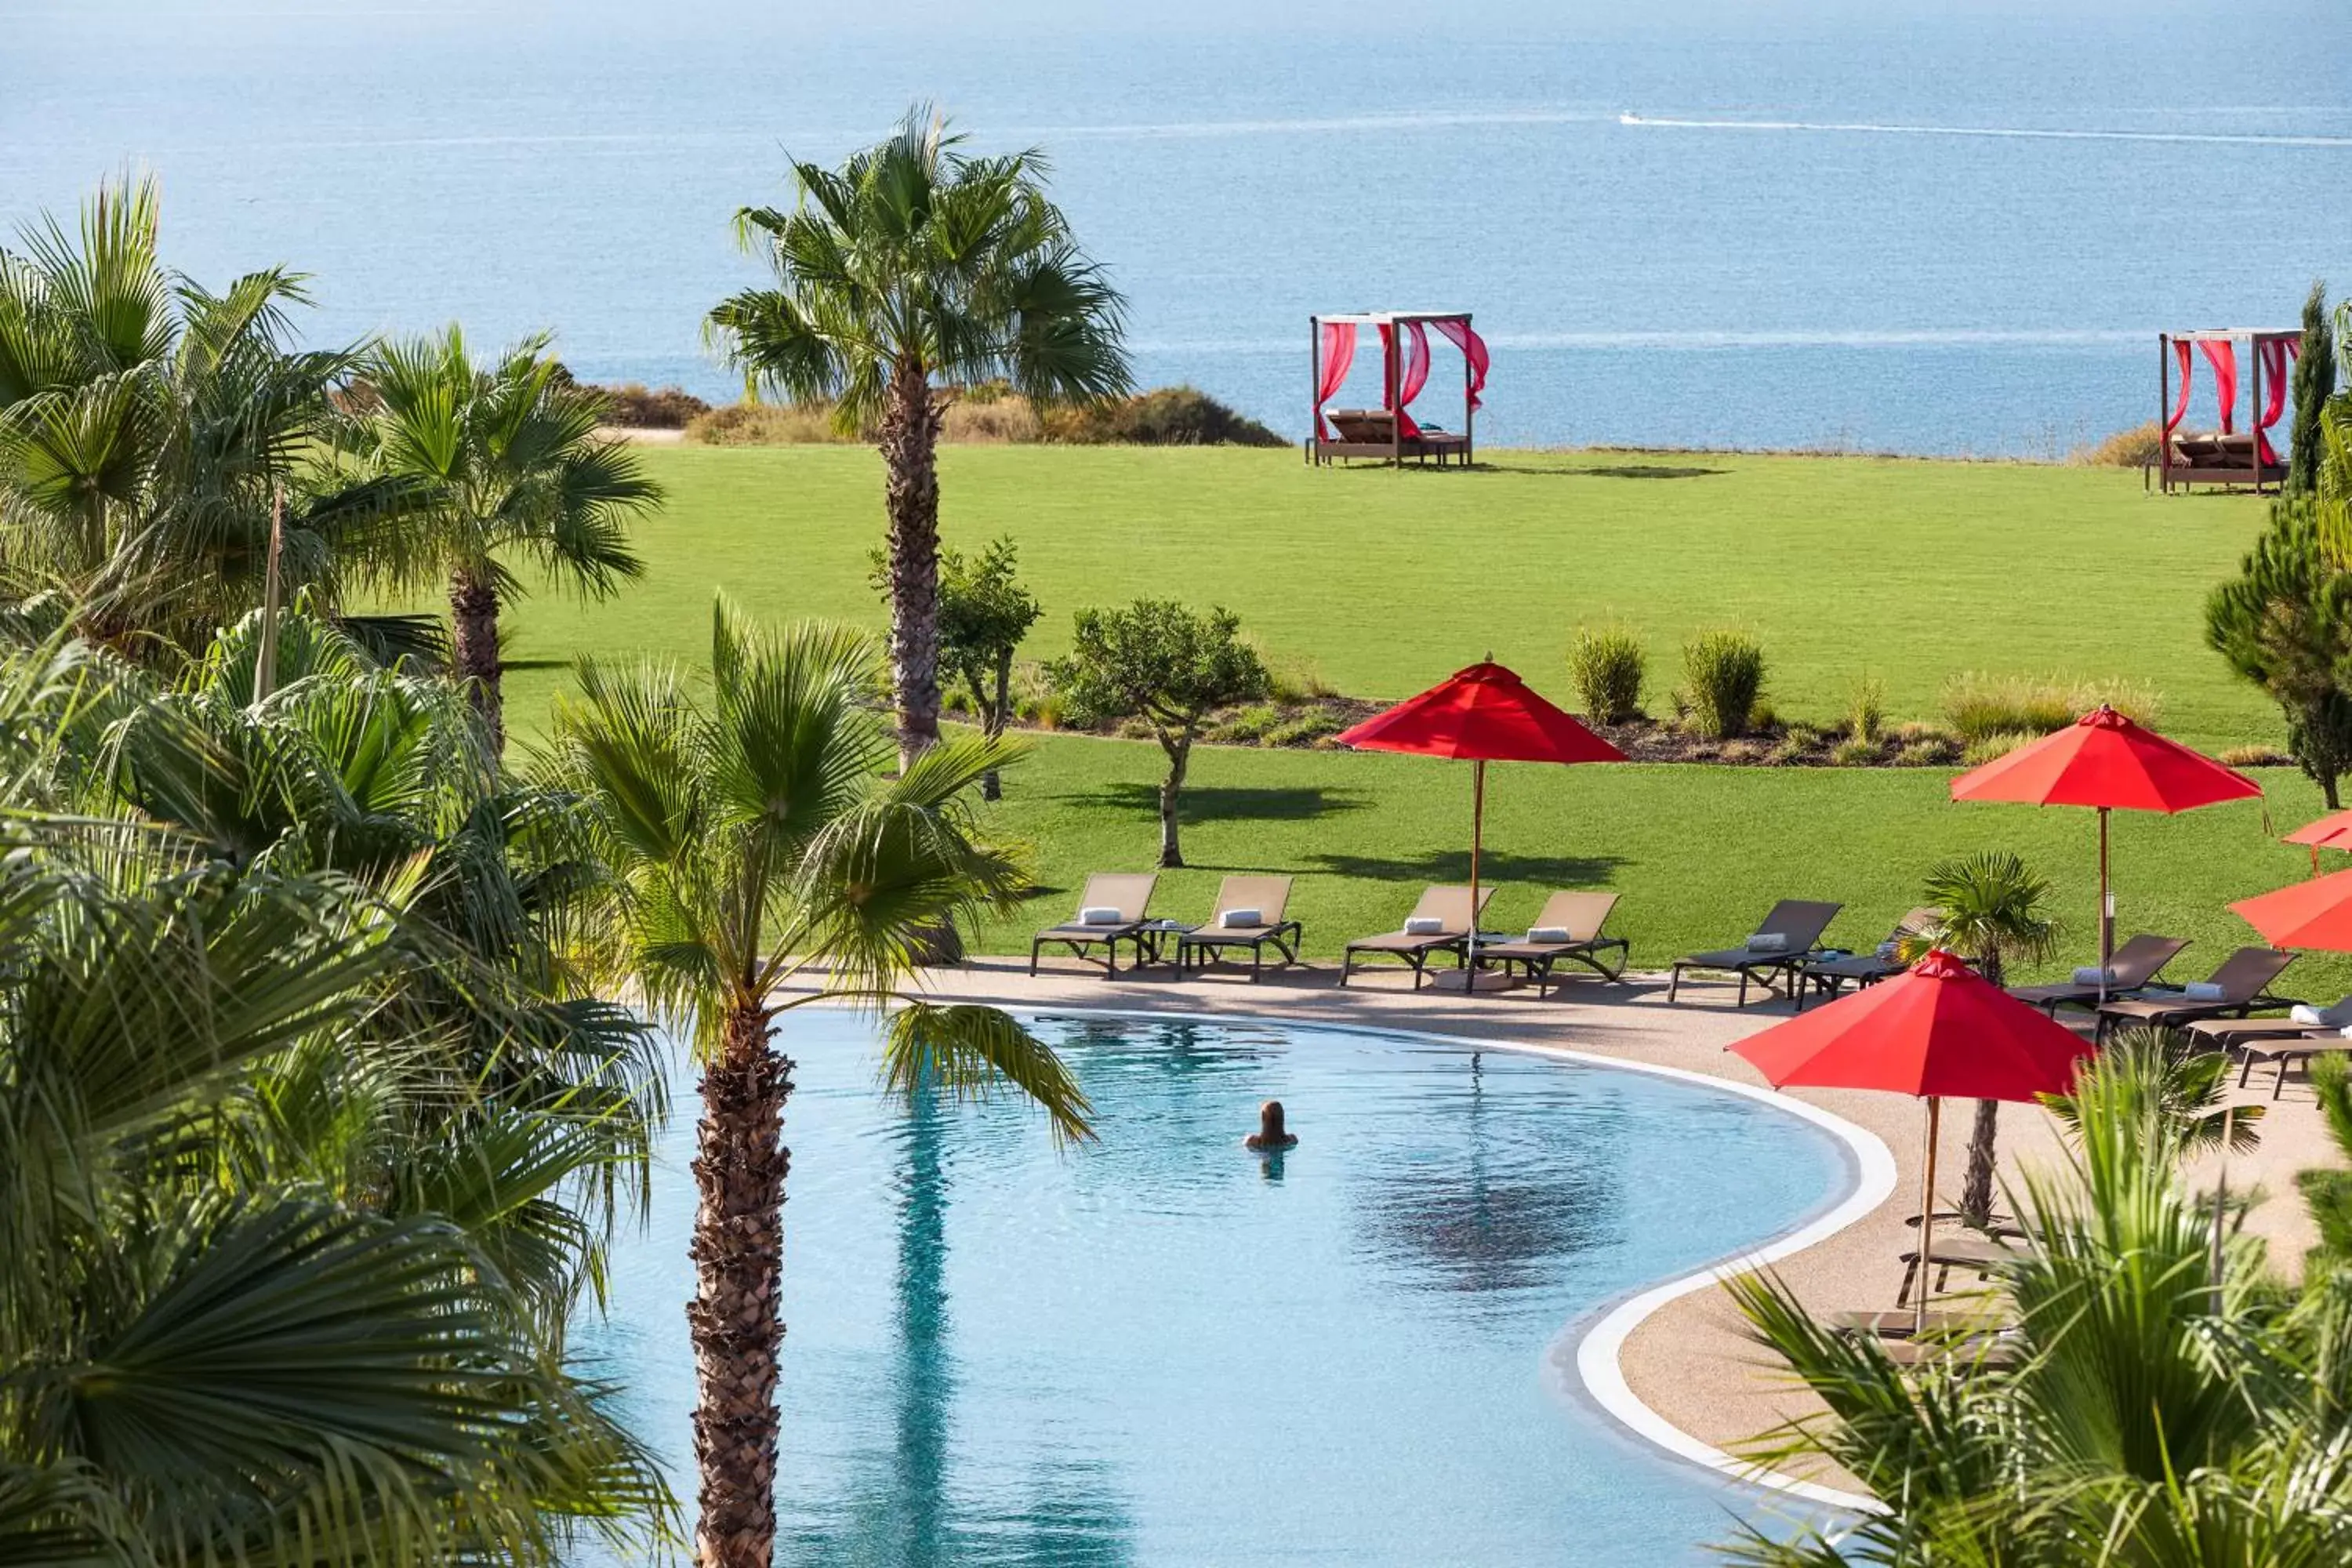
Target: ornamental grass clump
1724 672
1607 665
1978 706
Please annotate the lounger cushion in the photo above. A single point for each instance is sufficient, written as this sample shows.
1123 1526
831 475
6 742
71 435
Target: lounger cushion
1425 925
1769 942
1101 915
2204 991
1233 919
1548 934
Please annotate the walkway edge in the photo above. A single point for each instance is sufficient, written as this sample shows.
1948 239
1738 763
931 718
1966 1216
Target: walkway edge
1600 1349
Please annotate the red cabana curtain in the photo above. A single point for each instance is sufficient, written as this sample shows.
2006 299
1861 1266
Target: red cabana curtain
2222 353
2180 403
1473 349
1415 376
1338 354
2274 354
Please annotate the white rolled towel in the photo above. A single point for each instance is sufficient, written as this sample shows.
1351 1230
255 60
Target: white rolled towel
1553 934
2330 1018
1769 942
1101 915
1232 920
2092 974
2204 991
1425 925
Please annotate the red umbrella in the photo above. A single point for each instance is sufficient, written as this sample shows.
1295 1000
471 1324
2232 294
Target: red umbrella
1940 1029
2333 831
2317 913
2104 759
1484 713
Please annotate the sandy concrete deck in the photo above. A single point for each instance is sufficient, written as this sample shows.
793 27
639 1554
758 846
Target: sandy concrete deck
1690 1361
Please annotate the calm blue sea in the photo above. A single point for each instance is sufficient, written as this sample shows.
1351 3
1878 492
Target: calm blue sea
1912 225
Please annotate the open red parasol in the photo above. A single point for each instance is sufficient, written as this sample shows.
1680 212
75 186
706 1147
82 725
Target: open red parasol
1482 715
2104 759
2333 831
2317 913
1939 1029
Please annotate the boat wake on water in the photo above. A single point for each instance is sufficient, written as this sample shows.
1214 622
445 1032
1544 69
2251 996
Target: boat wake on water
1998 133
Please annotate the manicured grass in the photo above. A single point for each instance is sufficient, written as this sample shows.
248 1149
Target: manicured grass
1905 571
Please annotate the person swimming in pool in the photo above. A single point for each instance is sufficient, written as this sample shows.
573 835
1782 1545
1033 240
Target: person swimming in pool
1270 1136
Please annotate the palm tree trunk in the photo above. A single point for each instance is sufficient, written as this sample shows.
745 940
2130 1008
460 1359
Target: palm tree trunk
997 716
1178 755
474 649
1976 1191
909 443
739 1165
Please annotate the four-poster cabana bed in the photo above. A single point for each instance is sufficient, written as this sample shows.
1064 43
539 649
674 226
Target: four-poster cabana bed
1389 431
2223 456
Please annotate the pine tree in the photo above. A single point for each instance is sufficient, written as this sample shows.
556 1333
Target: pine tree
2314 381
2285 623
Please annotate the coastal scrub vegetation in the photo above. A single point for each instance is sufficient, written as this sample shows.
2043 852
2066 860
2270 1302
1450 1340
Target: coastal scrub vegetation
993 413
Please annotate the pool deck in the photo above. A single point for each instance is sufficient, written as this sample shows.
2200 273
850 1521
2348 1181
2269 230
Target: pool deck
1690 1361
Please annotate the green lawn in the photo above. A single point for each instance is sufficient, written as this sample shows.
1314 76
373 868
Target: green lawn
1904 571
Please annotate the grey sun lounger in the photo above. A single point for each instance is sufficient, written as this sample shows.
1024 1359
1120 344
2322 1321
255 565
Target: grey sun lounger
2243 980
1129 894
1831 975
1581 916
1269 896
2135 967
2288 1043
1449 906
1797 923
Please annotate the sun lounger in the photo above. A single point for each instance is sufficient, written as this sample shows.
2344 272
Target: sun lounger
1902 1325
1788 936
2133 966
1441 923
1569 929
1977 1255
1248 913
1118 900
2288 1042
1970 1353
2238 985
1829 975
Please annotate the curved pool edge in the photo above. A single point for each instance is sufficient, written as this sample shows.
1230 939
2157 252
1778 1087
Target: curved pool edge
1599 1358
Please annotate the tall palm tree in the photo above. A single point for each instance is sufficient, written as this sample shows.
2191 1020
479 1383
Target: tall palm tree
755 840
912 270
511 469
1991 909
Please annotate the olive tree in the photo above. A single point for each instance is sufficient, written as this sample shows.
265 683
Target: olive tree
1170 667
985 611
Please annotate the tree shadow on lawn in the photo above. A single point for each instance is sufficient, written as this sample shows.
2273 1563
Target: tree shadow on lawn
1495 866
1617 471
1302 803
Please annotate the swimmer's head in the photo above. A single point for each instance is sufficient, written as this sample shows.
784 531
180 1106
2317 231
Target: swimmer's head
1269 1121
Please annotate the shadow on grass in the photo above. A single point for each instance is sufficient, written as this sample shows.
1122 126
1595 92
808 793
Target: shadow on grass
1495 866
1648 471
1223 804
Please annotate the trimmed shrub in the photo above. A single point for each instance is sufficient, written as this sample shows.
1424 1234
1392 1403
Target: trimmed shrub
1606 664
1978 705
1723 672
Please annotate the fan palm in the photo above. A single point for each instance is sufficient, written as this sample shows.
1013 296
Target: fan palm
148 427
753 840
2148 1418
508 465
912 270
1991 911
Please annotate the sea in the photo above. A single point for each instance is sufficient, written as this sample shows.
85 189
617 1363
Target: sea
1934 228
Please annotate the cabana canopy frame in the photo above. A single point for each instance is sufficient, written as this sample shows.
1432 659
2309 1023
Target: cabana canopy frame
2222 458
1389 433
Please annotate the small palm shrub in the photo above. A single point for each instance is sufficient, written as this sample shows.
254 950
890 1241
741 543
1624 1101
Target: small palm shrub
1978 705
1607 665
1723 672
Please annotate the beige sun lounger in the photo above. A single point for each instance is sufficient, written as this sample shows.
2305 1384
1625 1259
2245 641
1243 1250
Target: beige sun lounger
1798 923
1128 892
1581 916
1977 1255
2284 1041
1450 907
1269 896
2243 978
2136 965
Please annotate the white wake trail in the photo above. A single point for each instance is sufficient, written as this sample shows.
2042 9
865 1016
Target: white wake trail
1996 132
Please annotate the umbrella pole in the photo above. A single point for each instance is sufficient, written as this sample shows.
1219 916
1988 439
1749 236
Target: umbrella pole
2107 909
2221 1199
1926 1220
1478 833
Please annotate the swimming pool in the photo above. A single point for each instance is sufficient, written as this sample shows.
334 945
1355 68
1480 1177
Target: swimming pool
1165 1350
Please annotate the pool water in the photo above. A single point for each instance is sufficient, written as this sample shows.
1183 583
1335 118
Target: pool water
1163 1349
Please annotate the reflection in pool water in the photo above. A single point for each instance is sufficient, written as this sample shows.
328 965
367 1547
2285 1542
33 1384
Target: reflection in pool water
1165 1350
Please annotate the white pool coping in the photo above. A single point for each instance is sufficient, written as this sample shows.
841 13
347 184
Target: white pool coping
1597 1362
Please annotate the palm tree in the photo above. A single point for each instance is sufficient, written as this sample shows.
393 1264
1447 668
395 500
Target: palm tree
755 840
508 463
1991 911
2137 1415
913 270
